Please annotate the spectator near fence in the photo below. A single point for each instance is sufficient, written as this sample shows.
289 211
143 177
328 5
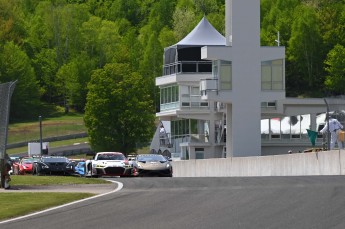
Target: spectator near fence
334 127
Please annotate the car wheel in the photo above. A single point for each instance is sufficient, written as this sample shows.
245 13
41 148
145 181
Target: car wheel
134 172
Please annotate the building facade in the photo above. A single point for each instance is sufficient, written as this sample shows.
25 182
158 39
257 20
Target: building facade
194 125
225 96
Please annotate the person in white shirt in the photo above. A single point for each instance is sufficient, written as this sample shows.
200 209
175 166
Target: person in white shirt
162 135
334 127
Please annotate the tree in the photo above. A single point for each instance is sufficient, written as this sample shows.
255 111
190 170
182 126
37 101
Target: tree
46 66
72 79
124 9
305 50
277 15
167 37
184 22
108 38
206 6
332 20
119 114
11 22
15 65
54 40
151 66
335 62
89 36
129 50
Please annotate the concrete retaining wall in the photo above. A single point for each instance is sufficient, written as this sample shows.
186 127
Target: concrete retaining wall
299 164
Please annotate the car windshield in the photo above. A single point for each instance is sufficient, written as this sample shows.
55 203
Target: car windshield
55 159
81 164
111 157
151 158
29 160
15 159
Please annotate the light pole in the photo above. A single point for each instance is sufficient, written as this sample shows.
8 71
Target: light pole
328 132
40 120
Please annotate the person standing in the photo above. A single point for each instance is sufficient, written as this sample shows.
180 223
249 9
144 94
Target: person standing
334 128
162 135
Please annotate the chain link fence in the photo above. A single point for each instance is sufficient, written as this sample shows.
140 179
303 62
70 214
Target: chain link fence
6 90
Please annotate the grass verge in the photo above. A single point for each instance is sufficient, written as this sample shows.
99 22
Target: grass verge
22 203
29 131
51 145
72 123
18 204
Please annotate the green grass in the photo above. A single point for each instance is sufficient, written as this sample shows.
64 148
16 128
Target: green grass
144 150
51 145
60 125
20 203
57 126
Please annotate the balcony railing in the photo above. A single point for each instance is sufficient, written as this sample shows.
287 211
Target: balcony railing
187 102
187 67
191 138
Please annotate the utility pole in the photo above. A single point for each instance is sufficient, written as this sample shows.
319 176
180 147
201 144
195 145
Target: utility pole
278 40
40 121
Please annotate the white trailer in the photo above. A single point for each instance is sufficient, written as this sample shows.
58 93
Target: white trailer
34 148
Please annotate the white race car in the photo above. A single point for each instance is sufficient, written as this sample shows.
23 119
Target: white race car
108 164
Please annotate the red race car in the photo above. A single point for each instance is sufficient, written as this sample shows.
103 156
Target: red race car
24 166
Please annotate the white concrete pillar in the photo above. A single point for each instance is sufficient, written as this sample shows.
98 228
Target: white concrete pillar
246 79
228 24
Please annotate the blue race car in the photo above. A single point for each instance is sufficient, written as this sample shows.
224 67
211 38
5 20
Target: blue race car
80 168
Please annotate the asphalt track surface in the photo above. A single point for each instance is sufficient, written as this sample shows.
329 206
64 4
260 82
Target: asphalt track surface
254 202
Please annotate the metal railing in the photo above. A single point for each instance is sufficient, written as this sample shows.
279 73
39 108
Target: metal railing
187 67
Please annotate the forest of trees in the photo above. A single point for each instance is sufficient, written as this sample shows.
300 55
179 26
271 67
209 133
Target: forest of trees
57 49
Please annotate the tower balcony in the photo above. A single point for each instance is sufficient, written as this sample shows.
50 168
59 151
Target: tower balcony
187 67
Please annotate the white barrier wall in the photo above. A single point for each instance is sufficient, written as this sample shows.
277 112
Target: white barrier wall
299 164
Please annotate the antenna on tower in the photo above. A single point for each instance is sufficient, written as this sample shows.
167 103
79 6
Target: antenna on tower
278 40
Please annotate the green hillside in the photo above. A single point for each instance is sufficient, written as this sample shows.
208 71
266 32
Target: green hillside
101 58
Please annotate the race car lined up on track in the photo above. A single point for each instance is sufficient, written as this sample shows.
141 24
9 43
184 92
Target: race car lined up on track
53 165
79 169
24 165
151 165
108 164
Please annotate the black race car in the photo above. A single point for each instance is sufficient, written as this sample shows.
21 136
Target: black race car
53 165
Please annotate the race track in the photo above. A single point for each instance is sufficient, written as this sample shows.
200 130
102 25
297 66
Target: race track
262 202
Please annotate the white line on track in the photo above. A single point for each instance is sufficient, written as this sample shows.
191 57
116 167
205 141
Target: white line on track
119 187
